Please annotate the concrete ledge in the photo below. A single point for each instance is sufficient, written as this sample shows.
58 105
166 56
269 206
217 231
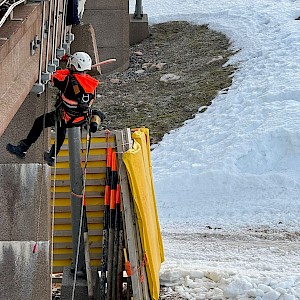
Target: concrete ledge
24 201
107 5
138 29
20 189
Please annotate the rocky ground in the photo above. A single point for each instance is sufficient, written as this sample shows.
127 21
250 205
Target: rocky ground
174 74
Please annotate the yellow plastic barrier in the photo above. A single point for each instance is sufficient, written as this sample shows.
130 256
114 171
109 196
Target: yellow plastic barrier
138 164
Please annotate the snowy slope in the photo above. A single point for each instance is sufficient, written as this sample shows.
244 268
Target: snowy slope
236 167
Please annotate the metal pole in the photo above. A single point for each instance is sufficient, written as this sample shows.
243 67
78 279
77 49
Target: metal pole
76 179
138 14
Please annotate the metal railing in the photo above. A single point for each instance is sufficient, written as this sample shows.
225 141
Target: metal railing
9 12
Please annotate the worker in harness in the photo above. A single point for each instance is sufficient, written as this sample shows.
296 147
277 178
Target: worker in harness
77 91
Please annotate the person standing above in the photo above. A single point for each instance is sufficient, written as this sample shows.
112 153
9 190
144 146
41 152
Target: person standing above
77 91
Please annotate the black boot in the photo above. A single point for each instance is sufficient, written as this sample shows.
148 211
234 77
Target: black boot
19 150
49 158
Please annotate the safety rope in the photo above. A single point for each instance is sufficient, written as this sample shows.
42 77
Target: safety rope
53 205
41 190
138 269
42 175
81 213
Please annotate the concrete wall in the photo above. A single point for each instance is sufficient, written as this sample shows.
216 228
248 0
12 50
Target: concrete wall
85 40
24 274
110 21
24 189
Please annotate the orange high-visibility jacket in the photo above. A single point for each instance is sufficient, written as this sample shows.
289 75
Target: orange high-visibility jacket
77 93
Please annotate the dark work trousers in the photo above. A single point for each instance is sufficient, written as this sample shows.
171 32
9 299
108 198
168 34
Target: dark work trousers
45 121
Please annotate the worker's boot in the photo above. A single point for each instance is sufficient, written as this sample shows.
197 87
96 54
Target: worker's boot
19 150
49 158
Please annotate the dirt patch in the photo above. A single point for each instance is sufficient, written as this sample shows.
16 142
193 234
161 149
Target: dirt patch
196 58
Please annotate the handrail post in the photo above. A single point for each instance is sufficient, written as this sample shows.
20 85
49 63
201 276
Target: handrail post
76 179
138 14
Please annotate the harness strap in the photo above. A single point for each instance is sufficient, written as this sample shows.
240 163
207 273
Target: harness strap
79 119
75 86
70 103
73 104
67 118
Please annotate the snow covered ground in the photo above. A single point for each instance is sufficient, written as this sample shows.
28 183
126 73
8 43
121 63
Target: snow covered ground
227 183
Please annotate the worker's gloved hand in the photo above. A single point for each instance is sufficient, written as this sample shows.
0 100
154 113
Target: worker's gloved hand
98 113
96 119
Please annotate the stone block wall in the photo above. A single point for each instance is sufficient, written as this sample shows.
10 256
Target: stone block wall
18 69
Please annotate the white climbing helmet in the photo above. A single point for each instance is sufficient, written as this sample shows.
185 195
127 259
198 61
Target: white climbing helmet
81 61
